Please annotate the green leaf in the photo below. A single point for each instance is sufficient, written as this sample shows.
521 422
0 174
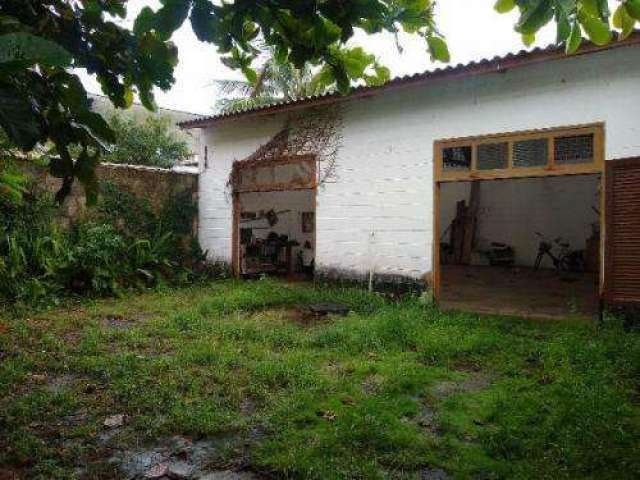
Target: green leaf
354 62
597 30
382 75
575 38
24 47
535 17
145 21
590 7
323 79
563 29
504 6
169 18
603 10
633 8
623 21
203 22
128 97
92 11
165 21
567 7
438 49
18 119
147 99
528 39
96 125
250 74
618 17
280 55
85 171
326 34
61 167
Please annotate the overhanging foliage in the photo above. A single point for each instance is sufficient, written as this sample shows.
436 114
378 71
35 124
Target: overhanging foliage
42 41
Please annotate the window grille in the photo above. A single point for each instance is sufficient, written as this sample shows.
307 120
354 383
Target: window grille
553 151
493 156
573 149
531 153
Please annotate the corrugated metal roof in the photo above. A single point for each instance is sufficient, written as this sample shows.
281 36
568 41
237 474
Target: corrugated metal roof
479 67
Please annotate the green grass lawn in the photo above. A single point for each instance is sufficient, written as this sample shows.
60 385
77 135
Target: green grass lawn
394 390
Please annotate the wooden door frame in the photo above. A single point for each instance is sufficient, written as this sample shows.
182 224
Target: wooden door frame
597 168
284 187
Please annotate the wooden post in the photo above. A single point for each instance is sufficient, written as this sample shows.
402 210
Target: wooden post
470 222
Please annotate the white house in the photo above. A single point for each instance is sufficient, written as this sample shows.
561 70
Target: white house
374 181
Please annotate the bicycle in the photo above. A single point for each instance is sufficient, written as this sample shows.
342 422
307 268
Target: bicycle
566 260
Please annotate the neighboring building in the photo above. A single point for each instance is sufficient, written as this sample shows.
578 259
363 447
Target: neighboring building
419 180
103 105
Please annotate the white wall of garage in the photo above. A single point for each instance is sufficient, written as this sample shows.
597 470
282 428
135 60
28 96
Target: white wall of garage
378 211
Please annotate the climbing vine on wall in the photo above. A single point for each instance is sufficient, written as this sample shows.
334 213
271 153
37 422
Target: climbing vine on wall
316 131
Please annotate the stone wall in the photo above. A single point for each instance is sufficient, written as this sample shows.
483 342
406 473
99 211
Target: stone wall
155 184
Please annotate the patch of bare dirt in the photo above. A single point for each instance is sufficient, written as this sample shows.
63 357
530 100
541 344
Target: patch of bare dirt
72 337
299 315
118 322
53 383
372 384
433 474
248 407
473 383
60 383
426 419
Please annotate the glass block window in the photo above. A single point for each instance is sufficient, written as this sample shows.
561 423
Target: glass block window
531 153
574 149
457 158
493 156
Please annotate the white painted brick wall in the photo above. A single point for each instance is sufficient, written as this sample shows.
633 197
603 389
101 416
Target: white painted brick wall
384 167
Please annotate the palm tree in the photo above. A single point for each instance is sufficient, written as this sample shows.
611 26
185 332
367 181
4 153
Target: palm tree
276 82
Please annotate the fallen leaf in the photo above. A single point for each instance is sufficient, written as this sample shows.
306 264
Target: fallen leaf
329 415
39 377
114 421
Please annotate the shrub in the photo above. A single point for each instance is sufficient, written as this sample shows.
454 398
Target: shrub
152 142
96 261
32 249
120 245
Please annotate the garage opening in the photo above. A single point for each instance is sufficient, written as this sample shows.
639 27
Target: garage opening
274 217
518 222
527 246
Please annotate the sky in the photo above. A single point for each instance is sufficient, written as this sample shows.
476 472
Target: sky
472 28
